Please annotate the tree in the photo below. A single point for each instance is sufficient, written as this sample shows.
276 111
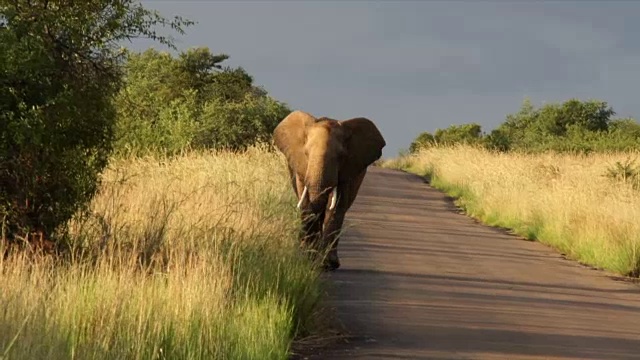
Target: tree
625 126
60 66
553 126
233 125
191 101
203 72
515 127
591 115
422 141
459 134
497 140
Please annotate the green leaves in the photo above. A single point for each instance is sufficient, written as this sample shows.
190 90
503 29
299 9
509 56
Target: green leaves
60 67
191 101
574 126
454 134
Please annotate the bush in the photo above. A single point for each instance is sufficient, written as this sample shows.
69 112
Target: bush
573 126
625 172
454 134
59 68
191 101
235 126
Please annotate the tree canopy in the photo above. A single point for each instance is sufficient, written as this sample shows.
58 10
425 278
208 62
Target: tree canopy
171 103
60 67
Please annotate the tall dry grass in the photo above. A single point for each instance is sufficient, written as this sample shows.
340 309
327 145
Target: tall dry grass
191 258
566 201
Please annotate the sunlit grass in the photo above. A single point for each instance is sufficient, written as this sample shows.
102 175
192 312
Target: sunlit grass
191 258
566 201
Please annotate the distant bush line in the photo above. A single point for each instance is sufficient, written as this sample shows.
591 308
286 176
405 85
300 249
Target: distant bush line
576 126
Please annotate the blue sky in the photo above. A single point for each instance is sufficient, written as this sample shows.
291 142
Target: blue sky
413 66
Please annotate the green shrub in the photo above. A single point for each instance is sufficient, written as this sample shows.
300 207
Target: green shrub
573 126
191 101
237 125
454 134
423 140
59 69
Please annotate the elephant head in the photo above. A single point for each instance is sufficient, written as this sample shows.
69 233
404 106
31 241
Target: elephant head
327 161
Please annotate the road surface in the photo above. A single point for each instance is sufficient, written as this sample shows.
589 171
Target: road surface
419 280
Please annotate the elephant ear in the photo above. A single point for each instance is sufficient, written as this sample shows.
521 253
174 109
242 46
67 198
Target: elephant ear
363 142
289 137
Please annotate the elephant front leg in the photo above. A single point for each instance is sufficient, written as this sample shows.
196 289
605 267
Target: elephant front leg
311 232
311 220
335 219
331 237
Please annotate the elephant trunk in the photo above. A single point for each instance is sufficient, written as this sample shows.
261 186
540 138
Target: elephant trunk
321 183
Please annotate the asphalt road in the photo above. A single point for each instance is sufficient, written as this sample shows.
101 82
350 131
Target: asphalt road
419 280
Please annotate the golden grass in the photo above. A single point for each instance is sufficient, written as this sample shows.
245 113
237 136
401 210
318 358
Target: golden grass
191 258
562 200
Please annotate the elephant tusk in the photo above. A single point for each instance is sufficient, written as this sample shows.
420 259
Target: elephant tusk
334 198
304 193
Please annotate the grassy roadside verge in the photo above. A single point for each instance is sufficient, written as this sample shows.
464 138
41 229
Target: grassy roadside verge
566 201
190 258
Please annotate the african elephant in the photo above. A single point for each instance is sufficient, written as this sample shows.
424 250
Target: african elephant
327 161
